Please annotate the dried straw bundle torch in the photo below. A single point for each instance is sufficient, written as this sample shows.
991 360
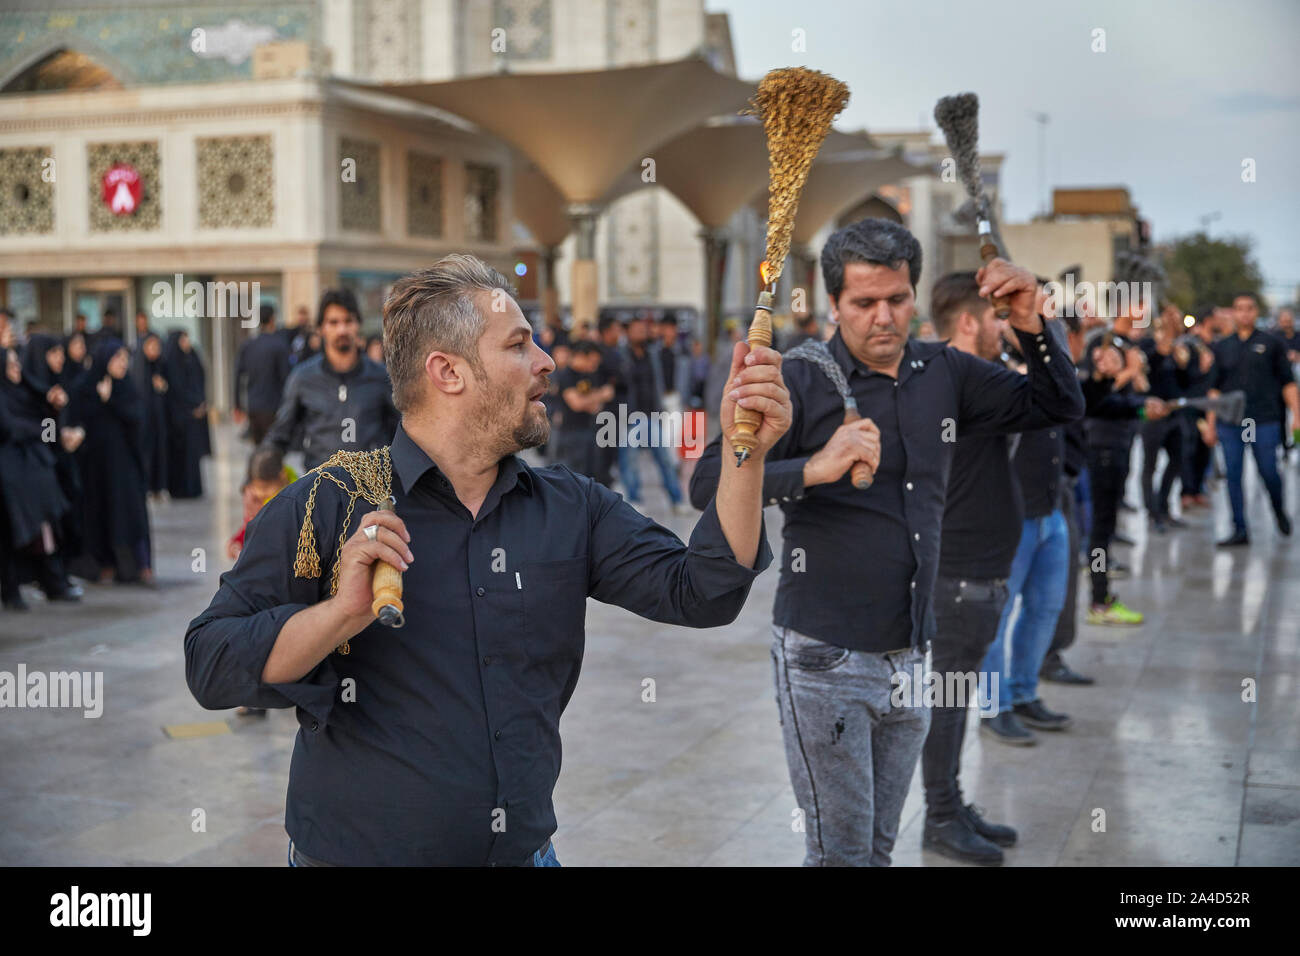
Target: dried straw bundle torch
796 106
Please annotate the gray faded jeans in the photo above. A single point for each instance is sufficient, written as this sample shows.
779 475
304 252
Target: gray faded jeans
851 753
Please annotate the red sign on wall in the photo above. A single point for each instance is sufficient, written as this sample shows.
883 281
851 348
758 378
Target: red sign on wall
122 189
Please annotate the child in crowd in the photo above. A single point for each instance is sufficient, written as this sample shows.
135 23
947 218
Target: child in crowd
267 474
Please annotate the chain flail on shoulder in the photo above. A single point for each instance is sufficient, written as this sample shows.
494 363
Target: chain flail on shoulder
372 479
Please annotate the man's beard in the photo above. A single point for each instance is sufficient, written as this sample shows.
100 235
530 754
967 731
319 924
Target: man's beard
498 428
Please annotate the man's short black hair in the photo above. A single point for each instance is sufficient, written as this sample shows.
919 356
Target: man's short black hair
955 293
879 242
604 322
343 297
585 347
1248 295
268 314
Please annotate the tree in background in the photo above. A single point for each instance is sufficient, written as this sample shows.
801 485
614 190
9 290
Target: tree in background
1204 271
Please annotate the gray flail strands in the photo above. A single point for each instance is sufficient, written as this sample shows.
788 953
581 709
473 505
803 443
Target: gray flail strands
818 354
797 106
959 118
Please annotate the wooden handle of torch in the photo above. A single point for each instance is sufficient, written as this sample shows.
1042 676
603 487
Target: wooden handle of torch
860 474
760 335
1001 304
386 587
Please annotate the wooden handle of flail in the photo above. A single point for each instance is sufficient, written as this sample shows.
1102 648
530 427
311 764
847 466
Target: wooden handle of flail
747 420
989 252
860 474
386 587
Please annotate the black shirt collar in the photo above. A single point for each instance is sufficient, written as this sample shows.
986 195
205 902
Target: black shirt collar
916 354
411 464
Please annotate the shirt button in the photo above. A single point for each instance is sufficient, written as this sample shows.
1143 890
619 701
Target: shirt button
1051 434
487 661
909 486
917 536
1047 360
497 735
913 585
1056 461
480 592
314 726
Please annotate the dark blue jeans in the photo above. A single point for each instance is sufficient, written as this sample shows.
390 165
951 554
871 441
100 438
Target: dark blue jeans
1038 575
1268 436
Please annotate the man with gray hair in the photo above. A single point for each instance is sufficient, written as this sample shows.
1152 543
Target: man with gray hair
854 608
439 744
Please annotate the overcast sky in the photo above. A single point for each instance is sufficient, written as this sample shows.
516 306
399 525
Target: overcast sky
1185 91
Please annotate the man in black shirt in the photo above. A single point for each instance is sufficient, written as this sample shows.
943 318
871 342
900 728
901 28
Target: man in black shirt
1167 378
1054 668
1286 331
982 517
1254 362
855 601
584 390
643 378
1200 371
438 744
338 400
262 365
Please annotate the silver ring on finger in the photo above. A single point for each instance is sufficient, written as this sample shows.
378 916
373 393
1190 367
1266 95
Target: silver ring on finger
372 531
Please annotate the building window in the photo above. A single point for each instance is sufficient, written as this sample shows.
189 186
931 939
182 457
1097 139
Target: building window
26 198
481 183
423 195
359 185
236 182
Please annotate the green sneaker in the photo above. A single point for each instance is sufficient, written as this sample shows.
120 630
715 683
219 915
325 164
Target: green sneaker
1114 614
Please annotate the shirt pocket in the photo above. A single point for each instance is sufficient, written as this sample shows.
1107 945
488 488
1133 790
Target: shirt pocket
555 611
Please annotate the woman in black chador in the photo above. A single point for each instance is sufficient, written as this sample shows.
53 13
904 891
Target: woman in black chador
149 377
187 439
31 503
116 515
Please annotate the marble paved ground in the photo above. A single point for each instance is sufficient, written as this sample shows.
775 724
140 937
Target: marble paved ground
1186 772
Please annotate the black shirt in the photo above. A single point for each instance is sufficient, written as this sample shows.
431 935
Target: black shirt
585 383
1166 379
982 517
643 382
1257 366
1040 466
334 411
264 359
867 560
455 716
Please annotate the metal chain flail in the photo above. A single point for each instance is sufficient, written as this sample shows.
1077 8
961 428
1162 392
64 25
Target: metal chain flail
372 477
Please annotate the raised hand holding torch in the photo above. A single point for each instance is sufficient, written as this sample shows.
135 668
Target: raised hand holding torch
797 106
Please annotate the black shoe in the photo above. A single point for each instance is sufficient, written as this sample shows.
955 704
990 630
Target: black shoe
1160 525
16 604
1040 718
1125 540
1238 539
1006 728
955 839
1283 524
993 832
66 594
1056 671
1176 523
